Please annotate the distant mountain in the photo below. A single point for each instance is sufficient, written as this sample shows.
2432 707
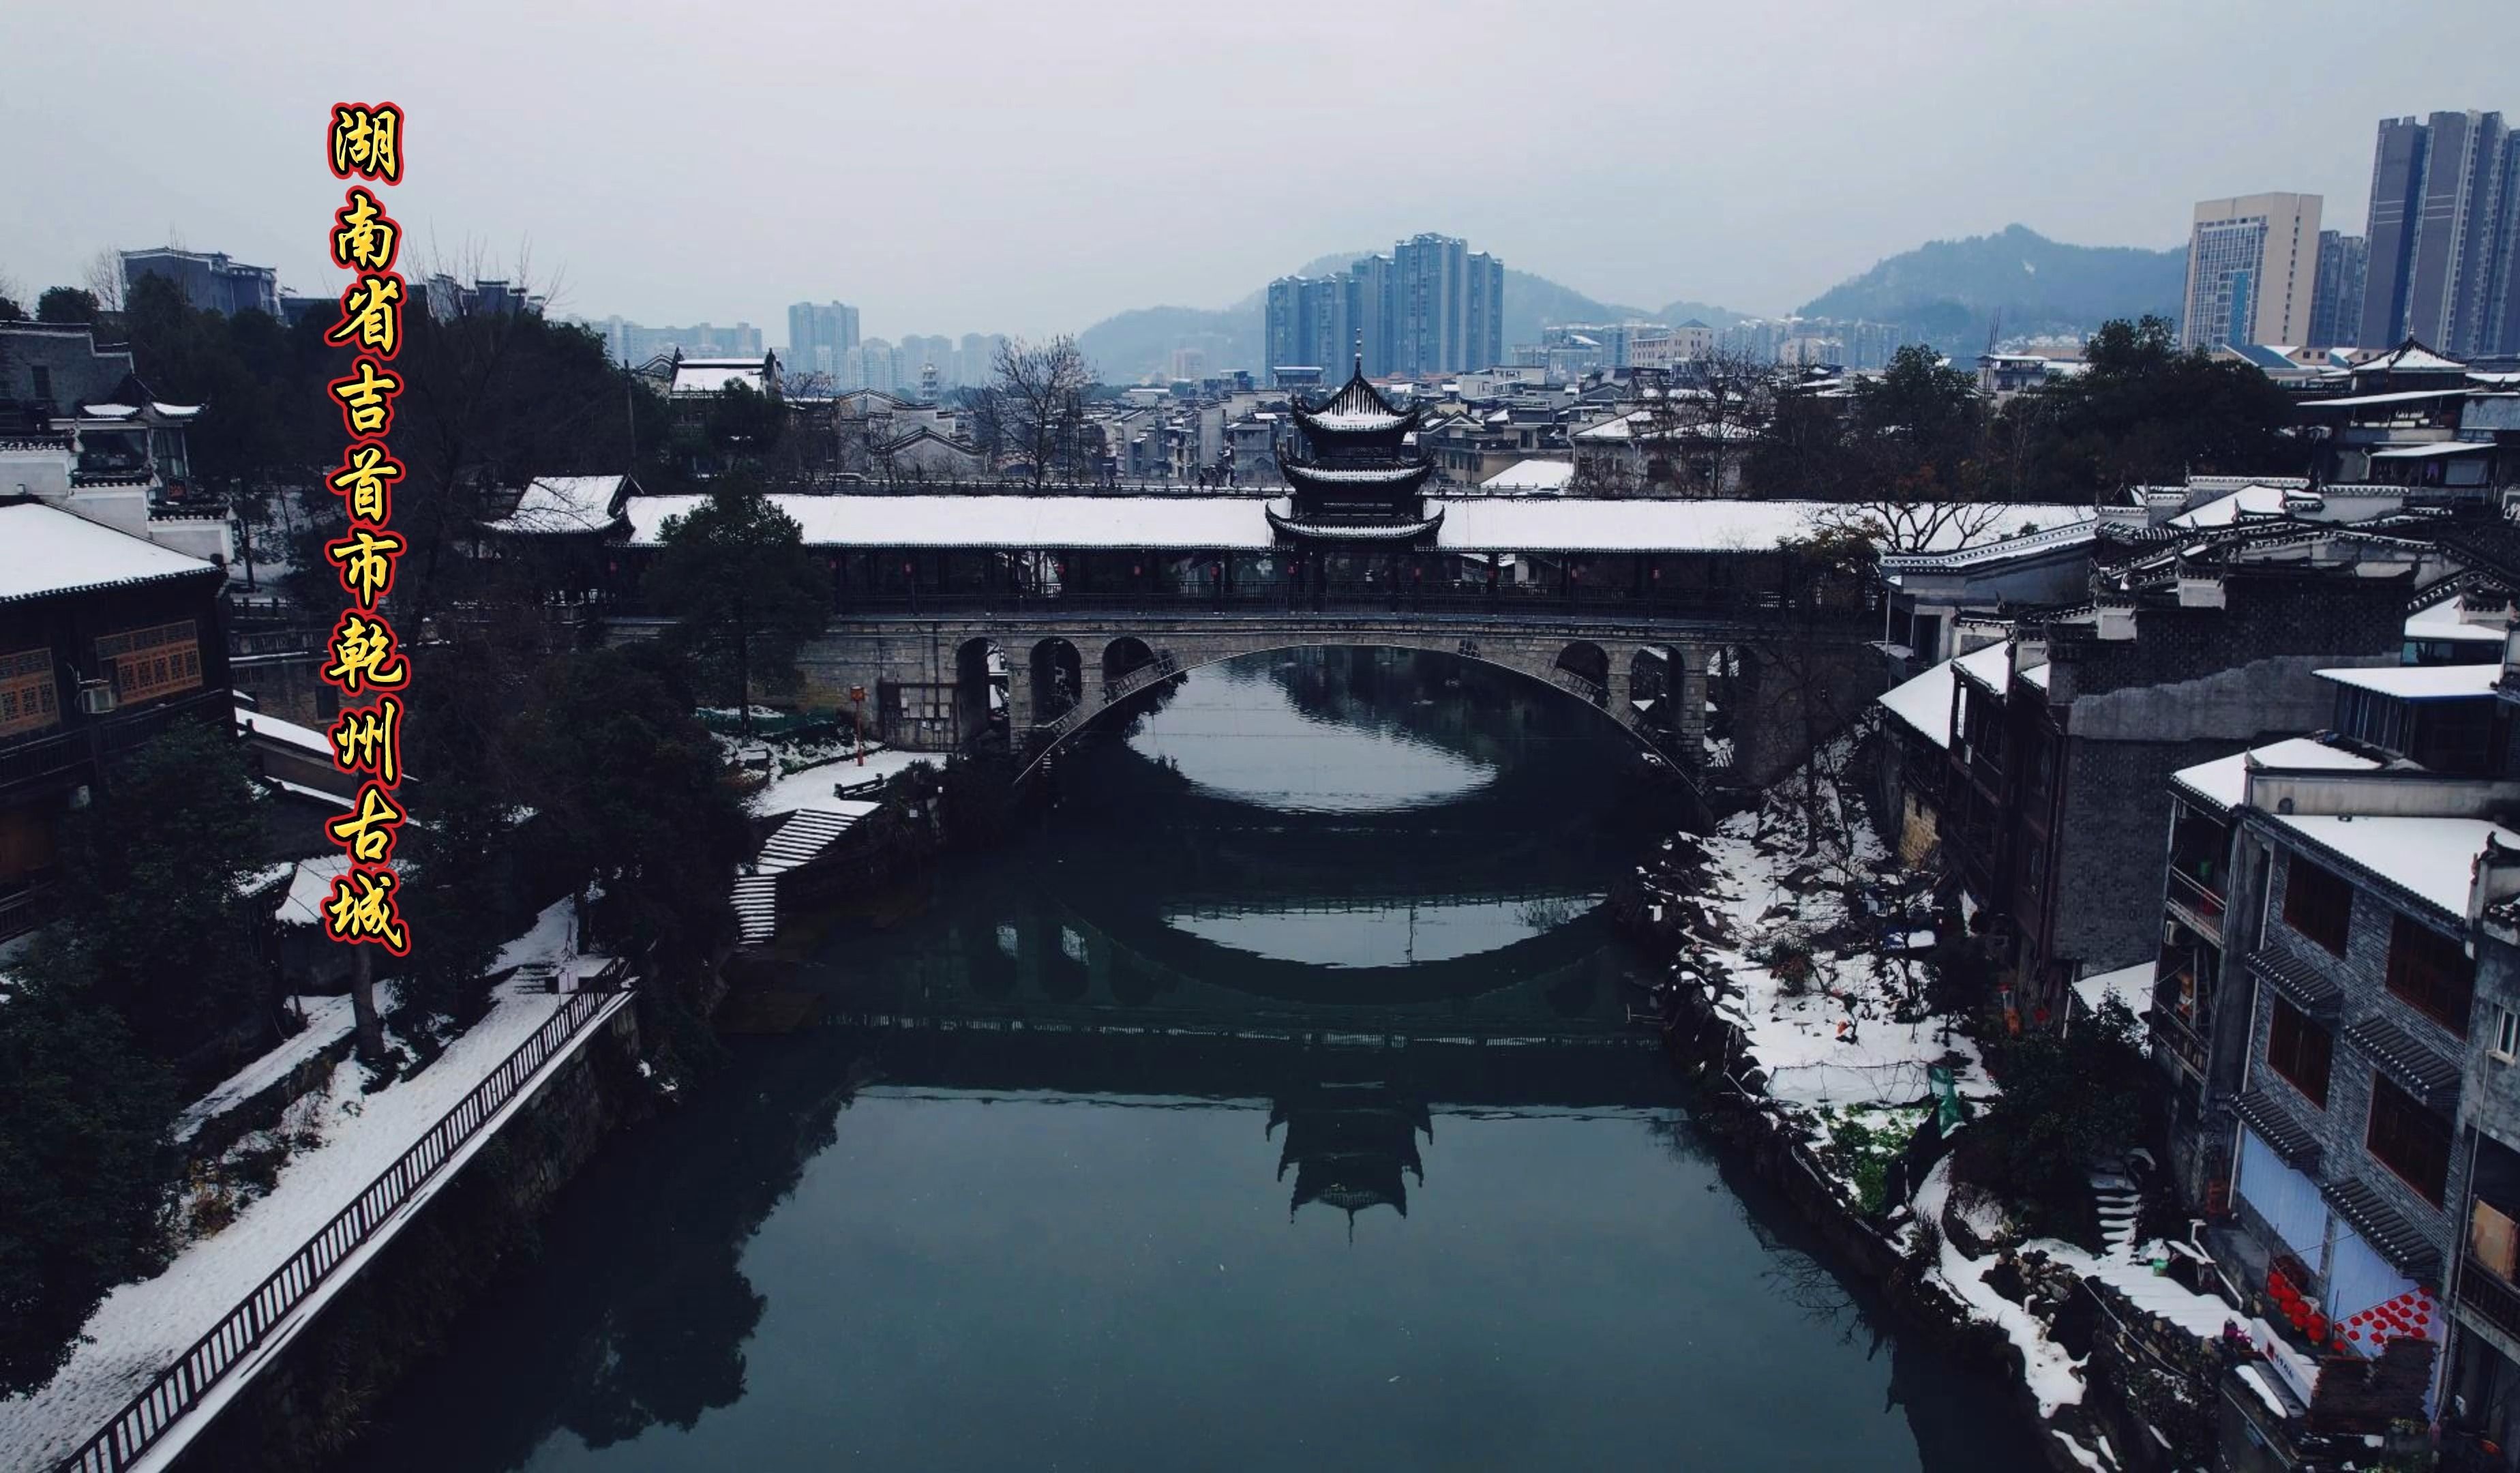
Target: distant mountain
1685 310
1952 291
1141 341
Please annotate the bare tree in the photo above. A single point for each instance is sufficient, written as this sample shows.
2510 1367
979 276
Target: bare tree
105 279
1735 401
1039 402
1914 515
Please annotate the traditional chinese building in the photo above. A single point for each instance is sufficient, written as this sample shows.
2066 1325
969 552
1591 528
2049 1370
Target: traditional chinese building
1352 1146
1357 493
105 639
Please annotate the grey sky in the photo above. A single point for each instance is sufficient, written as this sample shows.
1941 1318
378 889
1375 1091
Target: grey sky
1033 168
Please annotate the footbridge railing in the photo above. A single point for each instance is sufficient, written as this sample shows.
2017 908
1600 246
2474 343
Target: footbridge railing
181 1387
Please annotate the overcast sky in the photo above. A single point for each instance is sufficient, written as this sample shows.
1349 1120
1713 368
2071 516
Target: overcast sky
1033 168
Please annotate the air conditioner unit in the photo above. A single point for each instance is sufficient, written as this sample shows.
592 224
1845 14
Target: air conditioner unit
97 698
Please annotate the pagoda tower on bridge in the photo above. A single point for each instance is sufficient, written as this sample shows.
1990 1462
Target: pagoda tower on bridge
1358 481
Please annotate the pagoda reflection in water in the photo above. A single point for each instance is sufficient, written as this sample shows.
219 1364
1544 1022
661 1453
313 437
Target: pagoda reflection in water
1353 1146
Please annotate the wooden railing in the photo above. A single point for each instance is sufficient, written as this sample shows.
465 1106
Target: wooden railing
181 1386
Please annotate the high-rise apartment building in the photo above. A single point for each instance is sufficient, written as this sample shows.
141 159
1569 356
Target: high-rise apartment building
1432 306
819 334
2336 301
2444 235
2252 266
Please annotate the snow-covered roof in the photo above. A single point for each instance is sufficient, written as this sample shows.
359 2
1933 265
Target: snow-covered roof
1925 702
1991 666
46 551
2080 530
562 504
709 375
2408 356
309 888
2422 682
2130 987
1531 476
2037 675
2252 500
1578 524
288 733
2435 451
1223 523
2395 396
2433 860
2225 781
1471 523
2449 620
132 411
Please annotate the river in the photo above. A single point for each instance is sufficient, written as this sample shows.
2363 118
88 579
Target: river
1268 1103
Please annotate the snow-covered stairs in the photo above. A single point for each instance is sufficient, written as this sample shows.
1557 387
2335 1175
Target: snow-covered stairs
756 909
2120 1205
800 839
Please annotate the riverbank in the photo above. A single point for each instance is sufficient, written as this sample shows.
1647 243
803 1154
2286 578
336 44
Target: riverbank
329 1139
1799 987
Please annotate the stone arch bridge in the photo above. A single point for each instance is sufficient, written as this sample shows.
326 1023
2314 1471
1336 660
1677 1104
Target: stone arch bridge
934 683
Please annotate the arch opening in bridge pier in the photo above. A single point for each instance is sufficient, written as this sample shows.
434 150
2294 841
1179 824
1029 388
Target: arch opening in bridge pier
1058 678
1124 655
980 689
1588 663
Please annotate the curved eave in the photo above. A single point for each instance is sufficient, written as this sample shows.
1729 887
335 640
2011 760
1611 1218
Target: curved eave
1361 424
1394 479
1330 532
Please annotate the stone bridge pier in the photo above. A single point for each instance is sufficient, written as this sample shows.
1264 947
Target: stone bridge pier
936 681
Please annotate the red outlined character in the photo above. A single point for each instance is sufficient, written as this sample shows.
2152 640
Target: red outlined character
362 909
365 482
371 314
369 739
368 829
361 656
364 561
364 237
366 396
367 141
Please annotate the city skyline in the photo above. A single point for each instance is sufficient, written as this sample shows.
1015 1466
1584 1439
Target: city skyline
533 177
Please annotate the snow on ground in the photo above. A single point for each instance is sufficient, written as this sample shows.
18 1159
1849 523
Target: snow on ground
327 1022
143 1326
1796 1035
2054 1377
812 787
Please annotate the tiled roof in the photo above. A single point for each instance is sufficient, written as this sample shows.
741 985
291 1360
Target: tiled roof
2384 1228
2308 991
2406 1059
2295 1142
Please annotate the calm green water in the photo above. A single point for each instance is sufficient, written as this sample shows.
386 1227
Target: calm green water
1269 1106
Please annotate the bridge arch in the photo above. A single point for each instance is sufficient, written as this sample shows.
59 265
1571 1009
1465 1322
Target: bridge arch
1530 664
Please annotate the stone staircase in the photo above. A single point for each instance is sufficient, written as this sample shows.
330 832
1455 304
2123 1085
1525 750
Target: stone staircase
2120 1205
800 839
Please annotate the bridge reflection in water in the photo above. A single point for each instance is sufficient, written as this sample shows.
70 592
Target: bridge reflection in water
1022 1198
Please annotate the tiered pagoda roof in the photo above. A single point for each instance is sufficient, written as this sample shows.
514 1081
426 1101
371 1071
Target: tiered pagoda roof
1353 1146
1358 481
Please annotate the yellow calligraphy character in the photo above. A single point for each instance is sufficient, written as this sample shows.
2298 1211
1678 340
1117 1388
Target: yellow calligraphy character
367 398
364 236
366 481
369 740
363 656
367 141
372 314
362 909
366 559
367 831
